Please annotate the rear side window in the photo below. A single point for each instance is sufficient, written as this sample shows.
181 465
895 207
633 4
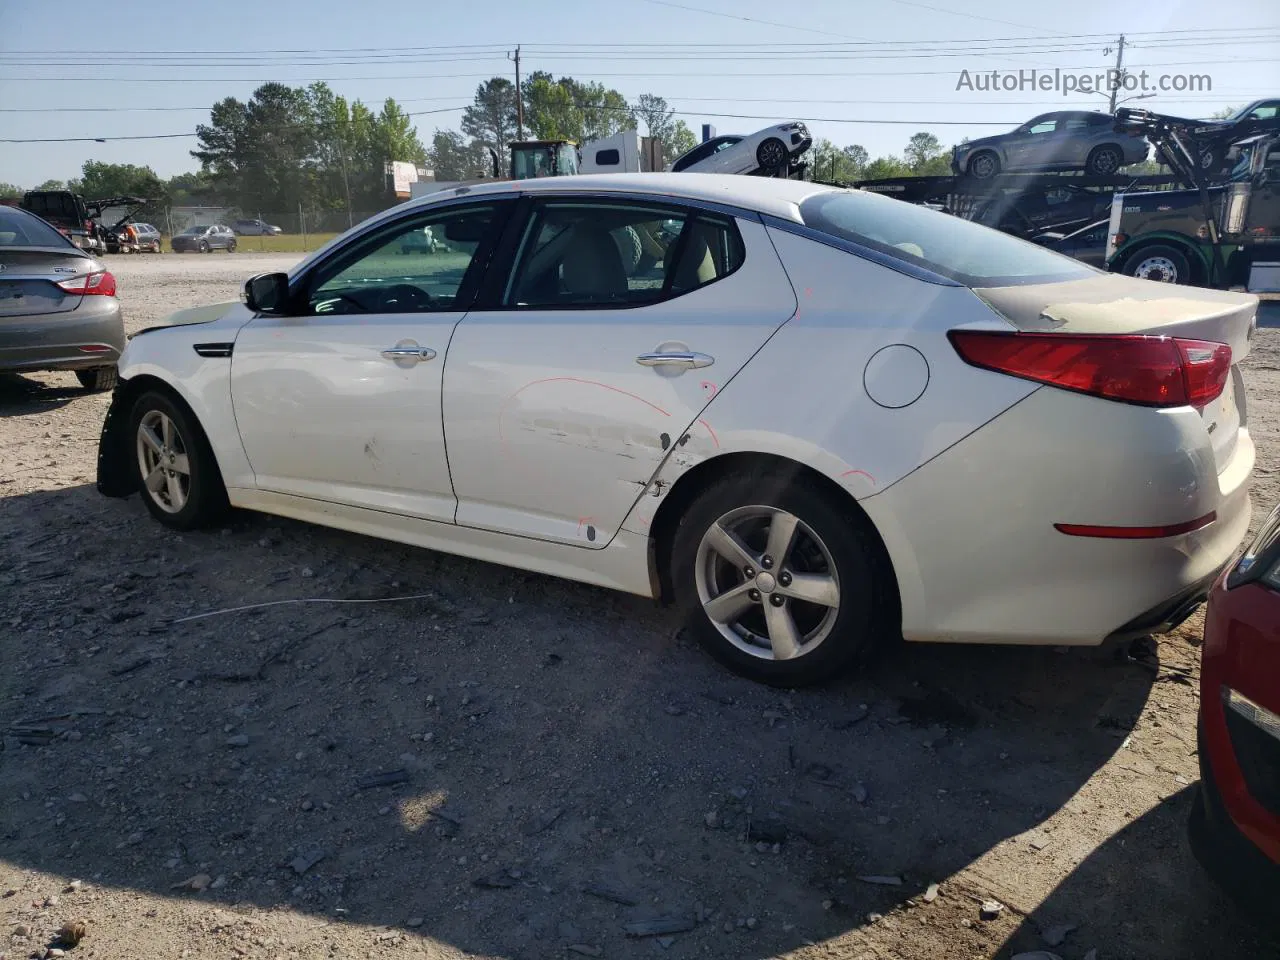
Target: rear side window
20 230
958 249
579 255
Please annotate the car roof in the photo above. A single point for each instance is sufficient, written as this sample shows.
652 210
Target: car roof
767 195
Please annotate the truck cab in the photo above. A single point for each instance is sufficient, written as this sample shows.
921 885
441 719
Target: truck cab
1165 235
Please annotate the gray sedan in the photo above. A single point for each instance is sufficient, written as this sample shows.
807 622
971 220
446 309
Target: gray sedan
1068 140
58 306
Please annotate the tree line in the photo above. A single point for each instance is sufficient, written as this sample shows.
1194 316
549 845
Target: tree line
286 149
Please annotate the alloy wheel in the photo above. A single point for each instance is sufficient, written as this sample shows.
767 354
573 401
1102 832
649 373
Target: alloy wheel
163 461
767 582
772 154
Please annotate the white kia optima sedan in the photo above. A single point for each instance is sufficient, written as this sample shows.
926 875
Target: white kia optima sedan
814 418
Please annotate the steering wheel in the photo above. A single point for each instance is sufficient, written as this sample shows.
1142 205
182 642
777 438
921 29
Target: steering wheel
402 298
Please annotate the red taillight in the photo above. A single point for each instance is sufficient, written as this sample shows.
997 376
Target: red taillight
1150 371
100 284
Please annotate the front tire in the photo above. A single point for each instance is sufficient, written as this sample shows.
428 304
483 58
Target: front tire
1159 263
984 165
178 476
98 379
772 154
778 581
204 246
231 247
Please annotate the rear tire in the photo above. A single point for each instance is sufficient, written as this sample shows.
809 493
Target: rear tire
98 379
173 440
744 604
1159 263
1105 160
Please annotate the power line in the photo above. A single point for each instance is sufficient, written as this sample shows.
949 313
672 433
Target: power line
1219 95
885 74
551 44
175 136
871 50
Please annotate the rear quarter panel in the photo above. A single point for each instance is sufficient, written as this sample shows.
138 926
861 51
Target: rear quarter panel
804 396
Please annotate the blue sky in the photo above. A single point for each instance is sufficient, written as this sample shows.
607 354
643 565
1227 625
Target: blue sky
773 71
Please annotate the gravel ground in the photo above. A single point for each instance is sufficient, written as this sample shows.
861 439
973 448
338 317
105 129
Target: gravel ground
567 767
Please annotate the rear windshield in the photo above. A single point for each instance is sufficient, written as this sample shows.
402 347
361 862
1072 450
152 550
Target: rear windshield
958 249
22 230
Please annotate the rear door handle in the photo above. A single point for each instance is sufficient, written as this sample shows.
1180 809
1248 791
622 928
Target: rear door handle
685 361
416 354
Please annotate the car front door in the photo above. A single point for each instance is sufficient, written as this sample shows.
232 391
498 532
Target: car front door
1034 144
587 361
341 401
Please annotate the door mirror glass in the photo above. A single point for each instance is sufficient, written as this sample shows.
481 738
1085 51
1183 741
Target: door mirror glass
267 292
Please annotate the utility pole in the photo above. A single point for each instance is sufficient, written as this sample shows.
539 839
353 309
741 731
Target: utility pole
519 98
1115 87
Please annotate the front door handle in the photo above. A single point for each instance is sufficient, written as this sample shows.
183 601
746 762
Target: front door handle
416 354
685 361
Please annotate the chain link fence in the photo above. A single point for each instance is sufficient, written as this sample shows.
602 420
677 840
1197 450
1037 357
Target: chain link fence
298 230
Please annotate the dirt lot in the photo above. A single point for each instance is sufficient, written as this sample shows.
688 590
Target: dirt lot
568 763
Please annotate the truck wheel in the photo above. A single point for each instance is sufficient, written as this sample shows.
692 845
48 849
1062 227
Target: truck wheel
772 154
628 242
984 165
1105 160
1159 263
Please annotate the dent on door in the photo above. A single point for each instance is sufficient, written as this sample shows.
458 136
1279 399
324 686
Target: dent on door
557 421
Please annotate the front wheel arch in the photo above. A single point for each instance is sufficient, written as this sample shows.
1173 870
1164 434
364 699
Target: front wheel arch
118 443
689 485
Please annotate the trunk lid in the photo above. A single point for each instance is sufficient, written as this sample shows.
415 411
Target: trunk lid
1115 304
29 281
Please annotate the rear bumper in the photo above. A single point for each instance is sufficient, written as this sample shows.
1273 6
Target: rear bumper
972 540
1168 614
92 335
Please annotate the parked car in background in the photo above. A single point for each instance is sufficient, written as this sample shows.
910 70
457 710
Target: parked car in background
67 213
950 372
769 149
255 228
145 237
1235 822
1066 140
58 306
202 239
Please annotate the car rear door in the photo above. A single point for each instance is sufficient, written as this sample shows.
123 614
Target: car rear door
583 366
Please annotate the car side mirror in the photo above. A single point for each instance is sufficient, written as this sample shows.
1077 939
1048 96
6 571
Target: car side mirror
267 292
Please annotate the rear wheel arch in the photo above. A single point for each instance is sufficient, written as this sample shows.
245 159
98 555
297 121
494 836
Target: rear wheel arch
687 488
